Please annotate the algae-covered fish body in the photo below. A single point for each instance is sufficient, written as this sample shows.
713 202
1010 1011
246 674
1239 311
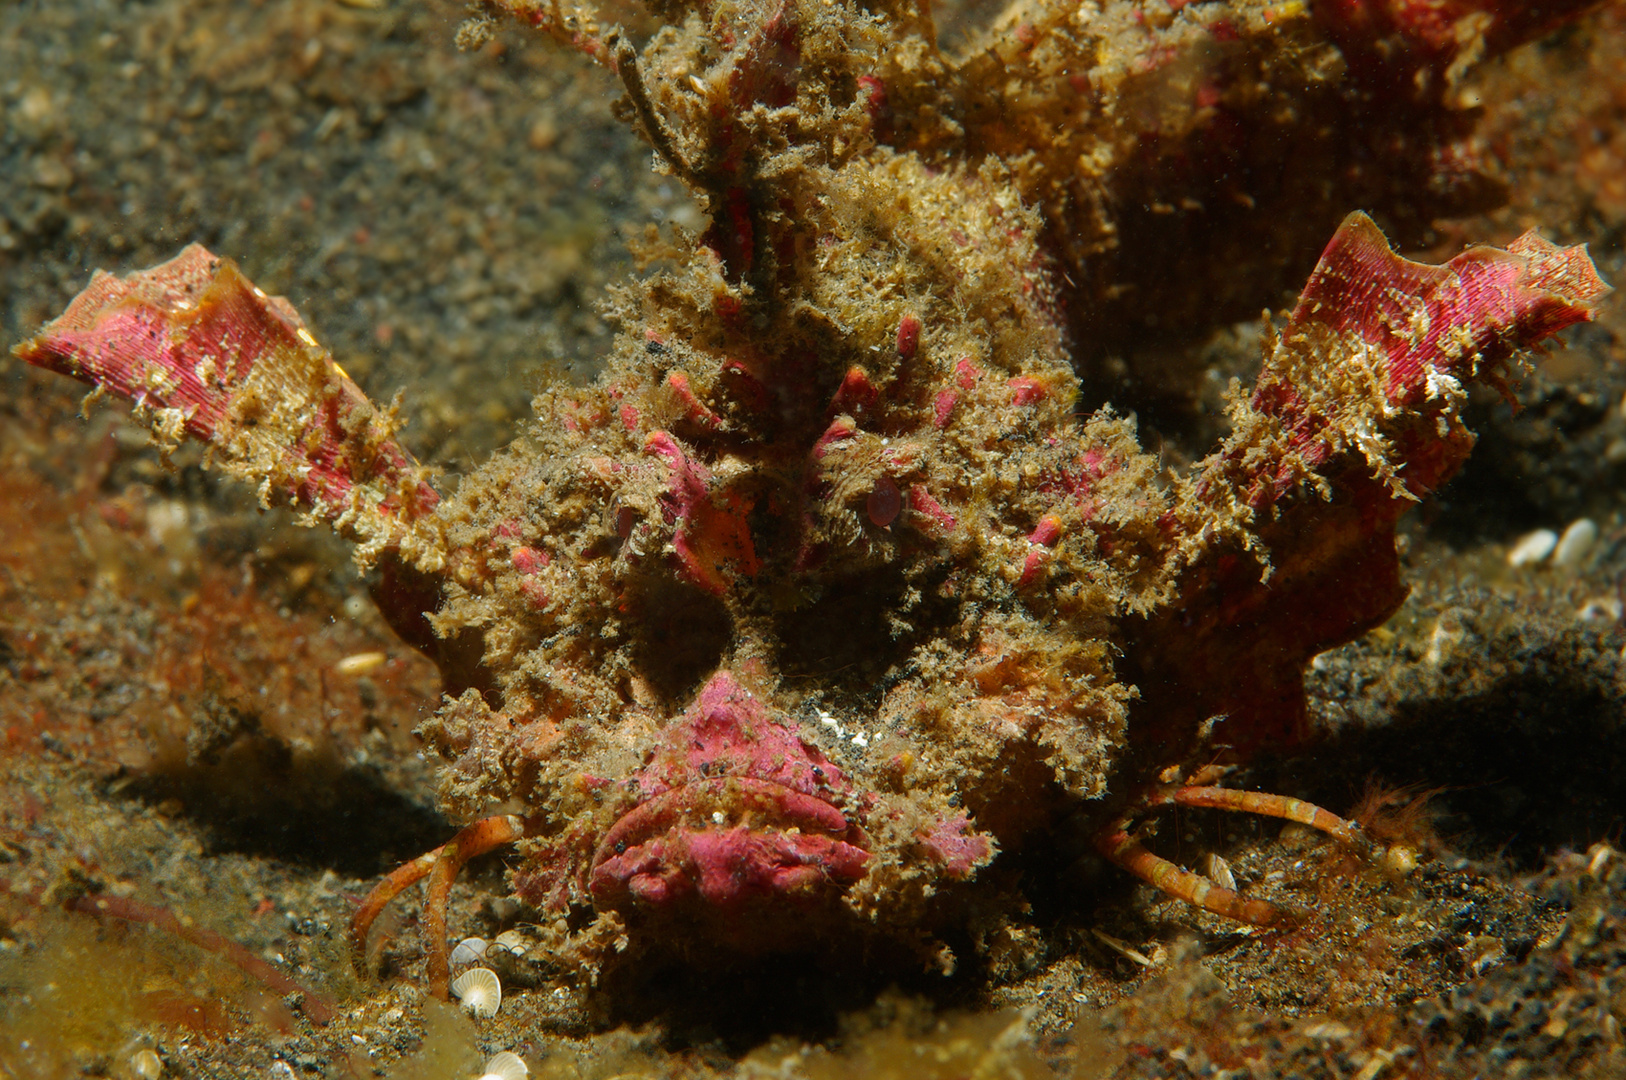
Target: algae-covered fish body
824 594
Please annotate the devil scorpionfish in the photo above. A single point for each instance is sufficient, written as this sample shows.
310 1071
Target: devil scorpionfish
824 595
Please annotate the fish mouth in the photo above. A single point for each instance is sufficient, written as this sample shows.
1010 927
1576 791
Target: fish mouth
724 844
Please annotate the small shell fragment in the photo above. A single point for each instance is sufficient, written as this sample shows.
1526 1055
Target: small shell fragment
146 1065
1482 952
1575 543
1532 548
1328 1031
513 941
1217 870
506 1066
360 663
1400 860
479 991
469 950
1122 948
1450 631
1601 609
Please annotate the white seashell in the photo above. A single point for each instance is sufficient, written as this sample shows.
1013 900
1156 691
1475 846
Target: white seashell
1575 543
361 663
1601 609
1328 1031
1532 548
146 1065
469 950
506 1066
1217 870
514 941
1449 632
479 991
1400 860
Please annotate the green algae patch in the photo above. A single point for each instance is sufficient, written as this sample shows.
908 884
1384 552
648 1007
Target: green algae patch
901 1039
448 1048
88 996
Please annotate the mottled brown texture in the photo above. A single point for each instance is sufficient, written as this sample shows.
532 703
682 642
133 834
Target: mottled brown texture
206 355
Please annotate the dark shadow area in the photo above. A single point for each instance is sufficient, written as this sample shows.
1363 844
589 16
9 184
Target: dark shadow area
736 1003
257 798
1201 239
859 633
679 636
1535 764
1541 466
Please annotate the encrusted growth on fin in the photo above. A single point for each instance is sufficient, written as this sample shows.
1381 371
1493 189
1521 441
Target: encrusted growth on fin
1376 355
202 353
1356 415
